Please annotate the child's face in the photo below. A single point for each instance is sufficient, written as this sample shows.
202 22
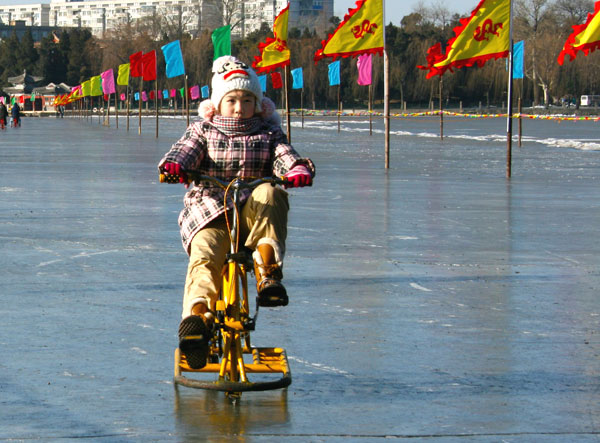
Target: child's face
238 104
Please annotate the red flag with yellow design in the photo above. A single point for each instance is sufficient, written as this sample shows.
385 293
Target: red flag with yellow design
481 37
274 53
584 38
361 32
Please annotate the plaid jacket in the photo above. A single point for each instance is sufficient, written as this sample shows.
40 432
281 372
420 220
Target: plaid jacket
264 151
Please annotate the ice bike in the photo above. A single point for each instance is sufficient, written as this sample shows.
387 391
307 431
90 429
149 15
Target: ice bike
231 354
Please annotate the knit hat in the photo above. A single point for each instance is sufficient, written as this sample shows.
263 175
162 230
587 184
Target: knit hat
231 74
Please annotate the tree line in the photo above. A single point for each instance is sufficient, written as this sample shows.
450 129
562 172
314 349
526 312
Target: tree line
544 25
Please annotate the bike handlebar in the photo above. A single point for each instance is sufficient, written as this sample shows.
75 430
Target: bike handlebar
241 181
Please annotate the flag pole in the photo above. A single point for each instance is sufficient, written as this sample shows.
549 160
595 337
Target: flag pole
286 73
386 95
156 103
370 108
140 106
441 109
127 104
186 100
117 107
509 101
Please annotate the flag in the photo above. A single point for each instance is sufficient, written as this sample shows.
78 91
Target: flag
108 82
122 96
205 91
173 59
76 93
297 79
334 73
221 38
276 80
518 56
96 86
172 93
274 53
364 64
55 38
149 66
144 96
152 95
123 75
165 93
135 64
481 37
86 88
136 96
182 92
262 79
361 32
195 92
585 37
32 98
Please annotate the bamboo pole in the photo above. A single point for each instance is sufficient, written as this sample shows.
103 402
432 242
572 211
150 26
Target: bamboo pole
386 106
441 87
117 108
140 106
509 104
286 73
339 104
127 103
520 107
370 107
156 103
187 101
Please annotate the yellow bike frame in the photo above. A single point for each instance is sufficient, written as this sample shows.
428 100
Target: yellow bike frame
233 326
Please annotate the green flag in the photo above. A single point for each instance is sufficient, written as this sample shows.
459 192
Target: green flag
96 86
33 96
221 38
86 88
181 92
123 76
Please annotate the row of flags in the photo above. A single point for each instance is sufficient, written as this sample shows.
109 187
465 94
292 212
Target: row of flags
481 37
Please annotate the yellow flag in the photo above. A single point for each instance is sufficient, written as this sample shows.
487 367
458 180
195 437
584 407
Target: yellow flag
86 88
479 38
361 32
75 94
96 86
123 75
585 37
274 53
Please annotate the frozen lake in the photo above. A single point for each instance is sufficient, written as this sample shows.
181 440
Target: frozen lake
435 301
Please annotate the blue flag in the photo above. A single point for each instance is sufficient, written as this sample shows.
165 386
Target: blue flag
165 93
334 73
136 96
297 79
174 59
518 55
205 92
263 82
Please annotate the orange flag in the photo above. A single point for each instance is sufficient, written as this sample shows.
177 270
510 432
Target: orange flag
584 38
274 53
481 37
361 32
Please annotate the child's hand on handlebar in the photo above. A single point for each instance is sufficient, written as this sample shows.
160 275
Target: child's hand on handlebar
298 177
177 170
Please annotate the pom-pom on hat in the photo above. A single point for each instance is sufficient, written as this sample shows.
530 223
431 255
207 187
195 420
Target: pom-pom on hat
230 74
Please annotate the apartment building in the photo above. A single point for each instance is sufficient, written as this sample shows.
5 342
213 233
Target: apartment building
193 15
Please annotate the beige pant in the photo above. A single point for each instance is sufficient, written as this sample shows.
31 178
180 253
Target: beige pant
263 216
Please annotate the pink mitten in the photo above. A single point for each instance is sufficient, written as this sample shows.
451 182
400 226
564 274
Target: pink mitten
298 177
175 169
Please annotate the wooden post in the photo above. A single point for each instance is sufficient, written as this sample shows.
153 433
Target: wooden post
117 108
510 101
386 106
156 103
127 98
339 105
370 107
441 110
140 106
520 121
286 73
187 102
302 105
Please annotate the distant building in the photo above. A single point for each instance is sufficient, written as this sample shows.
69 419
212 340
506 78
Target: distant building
193 15
20 27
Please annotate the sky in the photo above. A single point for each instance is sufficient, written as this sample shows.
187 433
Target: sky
395 10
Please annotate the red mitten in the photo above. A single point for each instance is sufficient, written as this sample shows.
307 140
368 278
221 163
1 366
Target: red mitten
298 177
176 170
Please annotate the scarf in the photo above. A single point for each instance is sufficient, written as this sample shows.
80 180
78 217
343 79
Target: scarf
236 126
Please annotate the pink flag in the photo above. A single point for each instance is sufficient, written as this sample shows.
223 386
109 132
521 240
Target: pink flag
172 93
144 96
195 92
108 82
122 97
363 63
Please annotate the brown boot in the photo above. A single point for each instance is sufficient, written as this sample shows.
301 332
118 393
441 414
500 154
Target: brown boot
268 277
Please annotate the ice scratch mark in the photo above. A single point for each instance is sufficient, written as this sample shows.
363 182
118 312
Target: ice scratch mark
319 366
80 255
419 287
139 350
